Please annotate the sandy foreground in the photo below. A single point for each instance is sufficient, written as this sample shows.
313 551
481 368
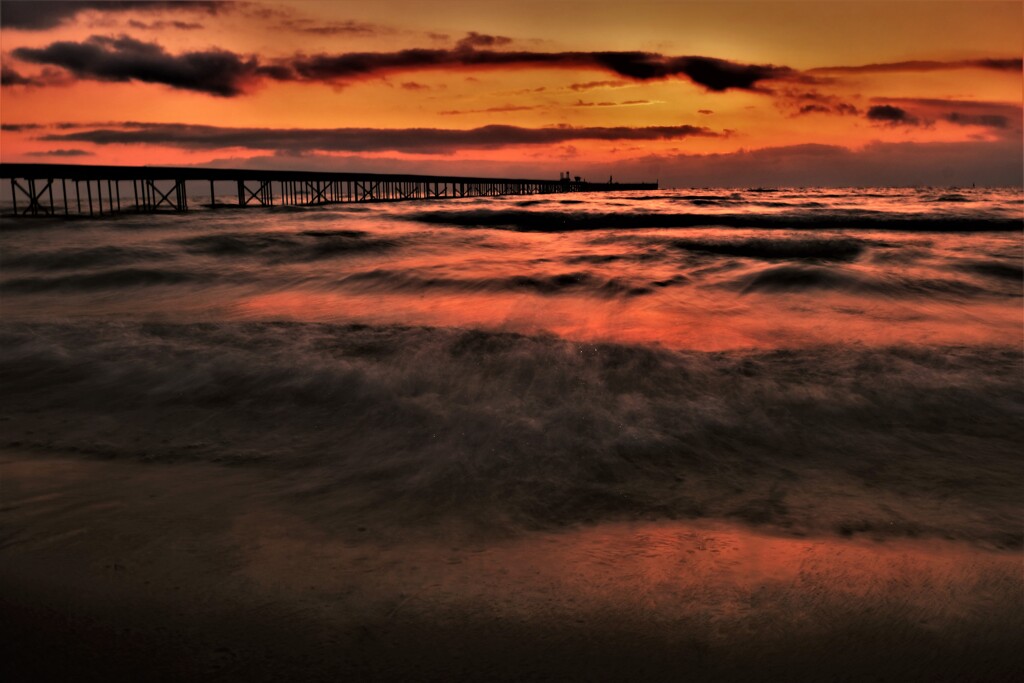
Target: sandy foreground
140 571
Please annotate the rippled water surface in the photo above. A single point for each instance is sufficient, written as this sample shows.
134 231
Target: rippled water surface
705 270
833 361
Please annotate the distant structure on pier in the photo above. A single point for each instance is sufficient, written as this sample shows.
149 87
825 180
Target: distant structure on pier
73 190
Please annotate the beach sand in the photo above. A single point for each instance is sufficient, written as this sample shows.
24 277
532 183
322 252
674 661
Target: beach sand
113 570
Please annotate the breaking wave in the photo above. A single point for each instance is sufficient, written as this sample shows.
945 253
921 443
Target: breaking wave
307 245
804 278
407 424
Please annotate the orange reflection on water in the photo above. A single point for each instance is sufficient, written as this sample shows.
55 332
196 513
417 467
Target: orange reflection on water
586 269
673 321
696 288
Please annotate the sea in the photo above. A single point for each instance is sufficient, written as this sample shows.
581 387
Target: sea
814 361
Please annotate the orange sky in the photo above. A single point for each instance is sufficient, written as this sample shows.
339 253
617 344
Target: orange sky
947 79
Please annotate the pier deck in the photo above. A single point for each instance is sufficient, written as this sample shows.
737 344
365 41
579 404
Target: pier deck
77 190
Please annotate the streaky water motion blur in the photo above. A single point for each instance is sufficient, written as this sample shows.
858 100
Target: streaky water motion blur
817 361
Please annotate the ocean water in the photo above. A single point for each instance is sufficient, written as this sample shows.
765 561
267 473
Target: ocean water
835 362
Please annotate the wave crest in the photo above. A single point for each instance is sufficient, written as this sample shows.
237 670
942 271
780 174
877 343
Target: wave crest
407 424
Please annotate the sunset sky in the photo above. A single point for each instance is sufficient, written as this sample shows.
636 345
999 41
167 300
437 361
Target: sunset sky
690 93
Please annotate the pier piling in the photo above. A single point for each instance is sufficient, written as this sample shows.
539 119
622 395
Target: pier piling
32 187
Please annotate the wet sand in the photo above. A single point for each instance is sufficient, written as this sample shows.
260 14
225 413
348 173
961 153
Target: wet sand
114 570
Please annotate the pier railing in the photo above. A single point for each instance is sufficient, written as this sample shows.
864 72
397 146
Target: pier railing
74 190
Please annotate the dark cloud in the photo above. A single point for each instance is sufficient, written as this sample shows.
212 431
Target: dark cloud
34 15
70 125
716 75
946 104
224 73
841 108
9 76
1013 64
412 140
803 102
590 85
474 40
336 28
61 153
886 113
163 25
986 120
719 75
998 116
121 59
340 68
705 111
18 127
413 85
46 77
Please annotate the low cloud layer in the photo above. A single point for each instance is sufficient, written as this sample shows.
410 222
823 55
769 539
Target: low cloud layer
1003 118
61 153
19 127
996 163
886 113
409 140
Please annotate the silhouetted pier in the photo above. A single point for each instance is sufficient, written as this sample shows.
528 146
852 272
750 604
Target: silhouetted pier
73 190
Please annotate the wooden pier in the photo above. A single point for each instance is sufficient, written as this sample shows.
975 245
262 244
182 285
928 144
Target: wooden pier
73 190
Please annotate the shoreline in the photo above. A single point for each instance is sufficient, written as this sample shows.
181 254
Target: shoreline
124 570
